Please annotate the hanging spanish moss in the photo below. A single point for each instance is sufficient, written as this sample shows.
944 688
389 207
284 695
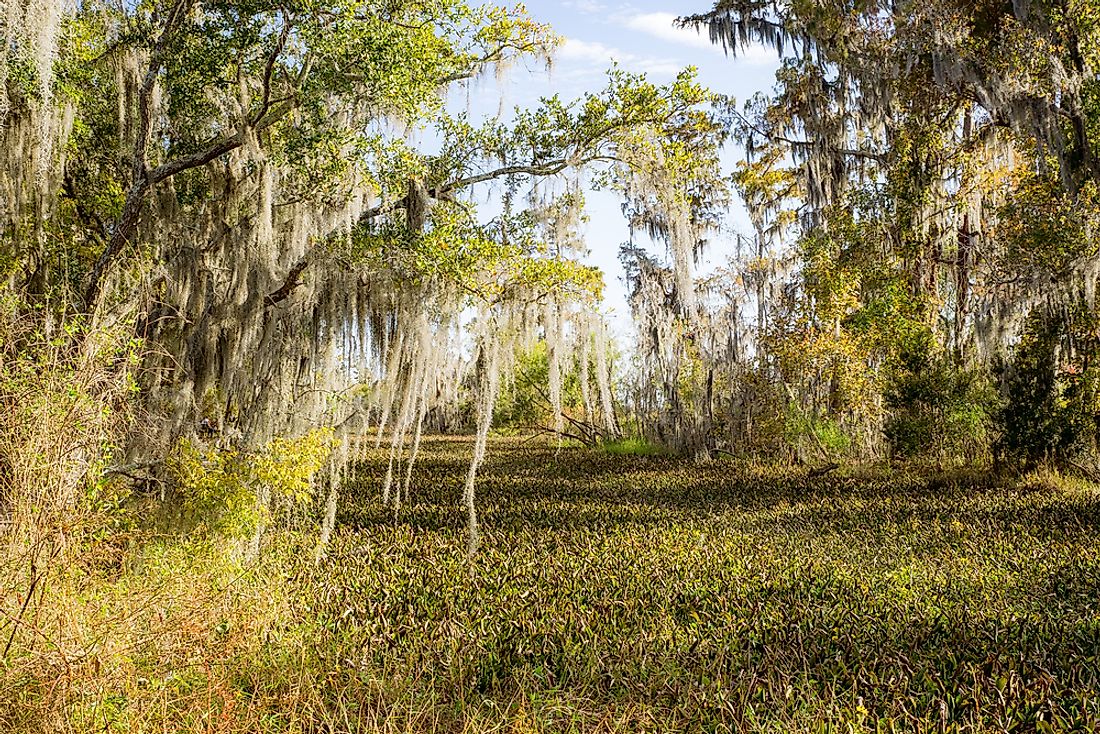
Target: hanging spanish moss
585 373
603 378
554 344
664 299
488 384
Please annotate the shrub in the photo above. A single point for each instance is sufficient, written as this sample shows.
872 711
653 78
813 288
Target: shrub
1053 388
940 410
220 487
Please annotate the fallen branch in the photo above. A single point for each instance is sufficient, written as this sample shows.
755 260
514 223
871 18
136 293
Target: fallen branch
566 434
823 470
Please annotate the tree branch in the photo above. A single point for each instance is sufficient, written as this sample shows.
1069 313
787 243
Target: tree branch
269 68
549 168
139 185
491 57
127 223
289 284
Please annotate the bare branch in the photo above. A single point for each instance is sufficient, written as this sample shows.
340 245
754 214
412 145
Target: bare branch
289 284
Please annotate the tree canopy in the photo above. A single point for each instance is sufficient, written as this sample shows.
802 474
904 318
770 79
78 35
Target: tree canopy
271 208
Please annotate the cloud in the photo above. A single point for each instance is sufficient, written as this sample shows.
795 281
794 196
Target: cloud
601 57
587 7
663 27
575 49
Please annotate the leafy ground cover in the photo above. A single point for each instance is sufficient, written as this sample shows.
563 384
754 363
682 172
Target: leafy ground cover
611 593
644 592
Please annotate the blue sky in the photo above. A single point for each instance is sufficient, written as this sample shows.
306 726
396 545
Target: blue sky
641 37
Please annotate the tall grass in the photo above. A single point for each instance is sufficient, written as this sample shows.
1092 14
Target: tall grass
631 446
65 398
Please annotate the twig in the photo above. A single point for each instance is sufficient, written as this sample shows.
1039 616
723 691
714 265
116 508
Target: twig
23 610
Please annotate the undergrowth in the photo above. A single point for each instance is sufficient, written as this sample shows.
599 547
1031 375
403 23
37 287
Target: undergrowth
632 447
611 593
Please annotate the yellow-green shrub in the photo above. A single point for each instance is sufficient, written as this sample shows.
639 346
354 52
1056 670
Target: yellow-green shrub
219 487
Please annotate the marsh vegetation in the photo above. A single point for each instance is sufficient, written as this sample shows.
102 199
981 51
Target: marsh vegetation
611 593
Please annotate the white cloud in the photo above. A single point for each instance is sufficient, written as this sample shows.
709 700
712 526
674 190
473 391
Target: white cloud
663 27
587 7
575 49
600 57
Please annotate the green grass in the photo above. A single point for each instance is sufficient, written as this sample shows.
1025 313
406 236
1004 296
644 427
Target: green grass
632 447
625 592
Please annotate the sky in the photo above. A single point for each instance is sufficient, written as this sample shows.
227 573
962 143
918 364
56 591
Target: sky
641 37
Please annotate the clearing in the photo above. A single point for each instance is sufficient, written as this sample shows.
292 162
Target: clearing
644 592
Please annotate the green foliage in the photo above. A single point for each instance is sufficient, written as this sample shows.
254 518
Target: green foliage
939 409
632 446
474 257
826 438
1044 229
523 402
921 224
219 486
841 340
269 75
1052 411
610 132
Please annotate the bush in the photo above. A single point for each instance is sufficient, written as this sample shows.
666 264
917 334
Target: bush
1053 384
219 487
938 409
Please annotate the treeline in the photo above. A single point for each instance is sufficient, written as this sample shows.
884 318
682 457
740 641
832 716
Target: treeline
219 246
920 282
